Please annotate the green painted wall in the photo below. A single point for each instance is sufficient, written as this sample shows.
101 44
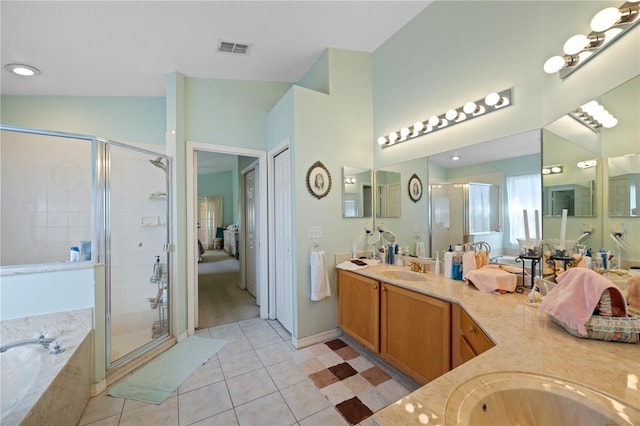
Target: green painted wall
336 130
219 184
126 119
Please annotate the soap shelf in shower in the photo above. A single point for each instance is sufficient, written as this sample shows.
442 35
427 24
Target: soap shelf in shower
158 196
150 221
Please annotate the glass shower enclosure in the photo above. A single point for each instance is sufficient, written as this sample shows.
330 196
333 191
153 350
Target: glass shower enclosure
63 190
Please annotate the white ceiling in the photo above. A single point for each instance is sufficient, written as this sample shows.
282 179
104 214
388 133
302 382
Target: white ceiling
127 48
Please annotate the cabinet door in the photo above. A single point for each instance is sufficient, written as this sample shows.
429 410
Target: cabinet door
415 333
359 308
467 339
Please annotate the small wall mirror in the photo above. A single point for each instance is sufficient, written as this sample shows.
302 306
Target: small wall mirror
624 186
388 192
357 192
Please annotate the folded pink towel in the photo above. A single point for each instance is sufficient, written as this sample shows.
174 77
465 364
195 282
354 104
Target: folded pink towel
575 297
488 279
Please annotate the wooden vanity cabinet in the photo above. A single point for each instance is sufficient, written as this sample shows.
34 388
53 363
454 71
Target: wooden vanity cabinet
467 339
415 333
359 308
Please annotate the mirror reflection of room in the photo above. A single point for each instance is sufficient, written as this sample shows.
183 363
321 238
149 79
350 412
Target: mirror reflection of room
357 192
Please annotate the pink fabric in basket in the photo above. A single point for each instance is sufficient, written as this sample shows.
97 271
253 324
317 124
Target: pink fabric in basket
576 296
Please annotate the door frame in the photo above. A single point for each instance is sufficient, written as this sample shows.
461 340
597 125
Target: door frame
278 149
192 260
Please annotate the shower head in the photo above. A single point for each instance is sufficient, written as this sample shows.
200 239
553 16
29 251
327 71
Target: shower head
158 163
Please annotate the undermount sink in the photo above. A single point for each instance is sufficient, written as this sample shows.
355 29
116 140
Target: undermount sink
401 274
533 399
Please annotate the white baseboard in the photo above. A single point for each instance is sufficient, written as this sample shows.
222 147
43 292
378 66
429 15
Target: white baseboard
182 336
316 338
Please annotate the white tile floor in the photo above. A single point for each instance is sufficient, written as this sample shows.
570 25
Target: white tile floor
255 379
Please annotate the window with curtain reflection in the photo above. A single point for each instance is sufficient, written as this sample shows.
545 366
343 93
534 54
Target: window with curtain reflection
210 217
523 193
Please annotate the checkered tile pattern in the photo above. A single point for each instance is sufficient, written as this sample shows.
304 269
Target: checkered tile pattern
356 387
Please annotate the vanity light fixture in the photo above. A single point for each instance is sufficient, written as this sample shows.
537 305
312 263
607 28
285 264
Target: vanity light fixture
594 116
455 157
606 26
22 69
551 170
587 164
350 179
470 110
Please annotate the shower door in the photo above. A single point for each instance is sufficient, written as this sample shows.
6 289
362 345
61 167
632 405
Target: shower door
137 206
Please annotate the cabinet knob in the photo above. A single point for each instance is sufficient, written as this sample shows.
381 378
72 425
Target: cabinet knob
384 288
375 286
472 329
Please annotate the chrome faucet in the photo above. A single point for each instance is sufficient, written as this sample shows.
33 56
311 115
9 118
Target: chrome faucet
44 341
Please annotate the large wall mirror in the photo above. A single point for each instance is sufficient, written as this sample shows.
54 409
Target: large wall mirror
601 165
479 196
357 192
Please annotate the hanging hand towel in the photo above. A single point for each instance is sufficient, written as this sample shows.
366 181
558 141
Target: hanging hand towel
320 287
420 249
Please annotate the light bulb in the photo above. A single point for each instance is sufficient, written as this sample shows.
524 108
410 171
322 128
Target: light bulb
434 120
452 114
455 157
469 107
609 122
418 126
546 171
605 19
495 100
554 64
576 44
382 140
393 137
556 169
404 132
589 106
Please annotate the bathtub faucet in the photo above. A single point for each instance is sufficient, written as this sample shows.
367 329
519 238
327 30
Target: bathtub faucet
44 341
494 259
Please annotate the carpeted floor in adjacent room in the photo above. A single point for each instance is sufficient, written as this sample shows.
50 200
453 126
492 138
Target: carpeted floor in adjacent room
220 300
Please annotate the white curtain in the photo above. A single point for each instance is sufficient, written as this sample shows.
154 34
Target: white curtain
523 193
210 217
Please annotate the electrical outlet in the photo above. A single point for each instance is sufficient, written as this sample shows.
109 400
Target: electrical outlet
618 230
315 232
586 227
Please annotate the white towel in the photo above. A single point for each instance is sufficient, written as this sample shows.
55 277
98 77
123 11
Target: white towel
420 249
320 287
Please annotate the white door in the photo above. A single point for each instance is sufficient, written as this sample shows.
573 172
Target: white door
283 240
250 205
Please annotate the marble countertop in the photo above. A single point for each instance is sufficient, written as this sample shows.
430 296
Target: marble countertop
526 341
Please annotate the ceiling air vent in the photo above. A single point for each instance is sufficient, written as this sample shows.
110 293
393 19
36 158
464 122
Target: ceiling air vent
238 48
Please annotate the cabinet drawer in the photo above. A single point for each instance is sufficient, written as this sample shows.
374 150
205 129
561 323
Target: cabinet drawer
466 351
476 338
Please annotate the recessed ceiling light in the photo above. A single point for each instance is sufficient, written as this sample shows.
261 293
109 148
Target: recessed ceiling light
455 157
23 69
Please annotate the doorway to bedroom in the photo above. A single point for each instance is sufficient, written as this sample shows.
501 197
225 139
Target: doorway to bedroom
226 199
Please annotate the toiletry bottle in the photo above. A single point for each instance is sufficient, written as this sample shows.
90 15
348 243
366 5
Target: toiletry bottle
156 270
457 264
74 254
448 264
390 254
437 268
